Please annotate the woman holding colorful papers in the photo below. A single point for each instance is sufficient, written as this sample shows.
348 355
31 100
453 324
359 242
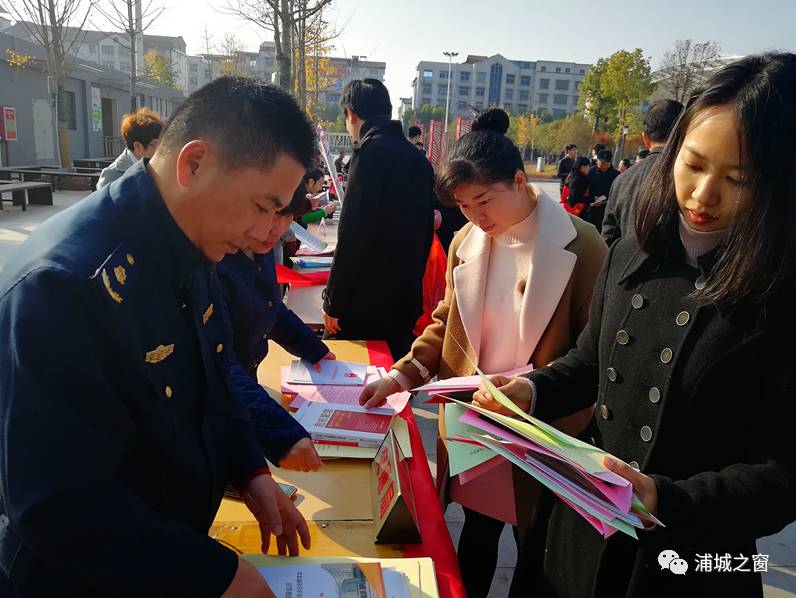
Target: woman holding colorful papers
522 265
690 355
256 314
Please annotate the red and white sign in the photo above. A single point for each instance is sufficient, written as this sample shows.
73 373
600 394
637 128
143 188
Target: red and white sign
8 124
463 126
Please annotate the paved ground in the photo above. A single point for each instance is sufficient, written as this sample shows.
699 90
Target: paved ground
780 581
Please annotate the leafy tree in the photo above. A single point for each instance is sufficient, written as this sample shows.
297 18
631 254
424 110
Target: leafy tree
159 70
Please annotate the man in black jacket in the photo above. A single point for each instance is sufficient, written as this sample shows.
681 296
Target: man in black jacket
601 177
375 289
565 165
620 214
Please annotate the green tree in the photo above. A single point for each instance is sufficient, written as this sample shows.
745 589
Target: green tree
593 99
627 81
425 114
159 70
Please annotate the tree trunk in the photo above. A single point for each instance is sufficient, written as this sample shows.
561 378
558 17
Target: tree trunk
58 63
133 55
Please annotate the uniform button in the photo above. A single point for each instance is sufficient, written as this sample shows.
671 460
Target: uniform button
265 337
646 433
654 394
683 318
634 465
700 283
637 301
613 375
168 392
605 413
219 348
270 304
666 355
622 337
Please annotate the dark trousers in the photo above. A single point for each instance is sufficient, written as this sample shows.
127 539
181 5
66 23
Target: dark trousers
478 551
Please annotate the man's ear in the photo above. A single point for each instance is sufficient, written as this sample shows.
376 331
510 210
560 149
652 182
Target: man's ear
646 140
192 161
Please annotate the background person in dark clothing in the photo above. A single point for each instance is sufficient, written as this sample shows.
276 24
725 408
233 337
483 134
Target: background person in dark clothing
642 153
595 149
601 177
565 165
624 164
375 290
619 220
415 135
578 185
339 162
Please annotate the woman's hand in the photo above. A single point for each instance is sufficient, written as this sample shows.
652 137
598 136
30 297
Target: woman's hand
376 393
516 390
302 456
329 355
643 485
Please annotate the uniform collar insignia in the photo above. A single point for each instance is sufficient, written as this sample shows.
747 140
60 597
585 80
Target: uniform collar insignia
207 314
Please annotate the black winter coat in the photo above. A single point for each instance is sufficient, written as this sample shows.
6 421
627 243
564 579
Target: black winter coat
703 400
386 227
620 213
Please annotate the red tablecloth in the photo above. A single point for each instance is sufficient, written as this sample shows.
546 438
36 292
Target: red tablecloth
437 542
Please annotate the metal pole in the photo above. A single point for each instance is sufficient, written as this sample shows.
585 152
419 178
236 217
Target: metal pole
450 56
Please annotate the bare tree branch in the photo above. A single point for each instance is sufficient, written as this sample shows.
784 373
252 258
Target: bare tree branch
684 67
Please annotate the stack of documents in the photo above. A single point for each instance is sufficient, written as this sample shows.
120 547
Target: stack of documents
343 577
572 469
346 425
307 251
306 237
302 384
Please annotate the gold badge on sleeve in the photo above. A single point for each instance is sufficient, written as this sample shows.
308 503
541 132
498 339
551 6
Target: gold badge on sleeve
208 313
159 354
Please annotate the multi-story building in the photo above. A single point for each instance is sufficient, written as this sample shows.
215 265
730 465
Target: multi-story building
516 85
349 69
406 104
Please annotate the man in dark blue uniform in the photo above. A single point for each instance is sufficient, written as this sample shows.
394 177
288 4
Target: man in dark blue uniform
119 423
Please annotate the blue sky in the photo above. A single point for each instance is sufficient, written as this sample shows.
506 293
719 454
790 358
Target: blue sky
403 32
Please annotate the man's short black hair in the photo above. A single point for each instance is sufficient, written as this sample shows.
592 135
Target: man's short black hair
570 146
251 122
642 153
414 131
366 97
605 155
660 118
597 148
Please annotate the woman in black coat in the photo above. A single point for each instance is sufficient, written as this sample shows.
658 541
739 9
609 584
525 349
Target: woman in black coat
579 197
690 353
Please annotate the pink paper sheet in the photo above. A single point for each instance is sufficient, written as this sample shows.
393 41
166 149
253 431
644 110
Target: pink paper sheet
340 395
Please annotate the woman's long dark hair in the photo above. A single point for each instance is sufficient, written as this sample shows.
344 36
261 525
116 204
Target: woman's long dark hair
756 260
575 172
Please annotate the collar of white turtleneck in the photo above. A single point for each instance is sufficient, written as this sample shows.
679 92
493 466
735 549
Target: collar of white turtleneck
697 243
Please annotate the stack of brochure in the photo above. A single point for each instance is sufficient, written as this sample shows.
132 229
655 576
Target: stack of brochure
343 577
572 469
345 425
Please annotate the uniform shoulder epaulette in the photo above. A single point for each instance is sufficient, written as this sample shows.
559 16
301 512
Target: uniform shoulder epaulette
116 275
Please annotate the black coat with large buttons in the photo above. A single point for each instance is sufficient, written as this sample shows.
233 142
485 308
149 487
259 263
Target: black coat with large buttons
700 398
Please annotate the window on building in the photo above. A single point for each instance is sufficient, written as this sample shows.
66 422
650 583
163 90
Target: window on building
443 74
562 85
574 100
522 108
480 77
461 105
479 105
509 94
425 101
558 113
507 105
92 48
524 95
464 76
207 72
558 69
464 91
543 69
428 74
510 79
479 92
560 99
193 67
541 98
576 86
582 71
126 67
441 103
427 88
193 81
108 64
70 110
442 90
525 80
107 50
544 83
567 70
